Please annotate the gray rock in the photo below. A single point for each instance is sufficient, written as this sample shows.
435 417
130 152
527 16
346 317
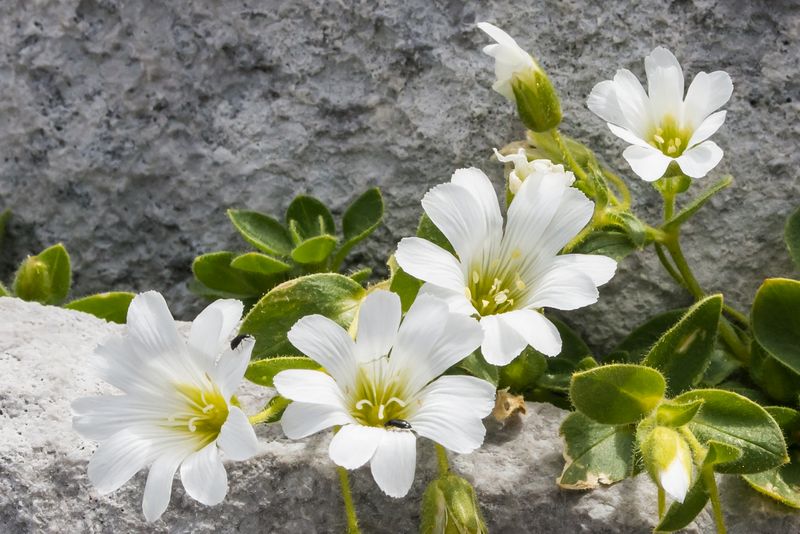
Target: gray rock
130 126
291 486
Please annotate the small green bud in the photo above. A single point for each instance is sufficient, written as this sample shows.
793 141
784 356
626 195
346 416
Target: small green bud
668 460
537 101
32 282
449 506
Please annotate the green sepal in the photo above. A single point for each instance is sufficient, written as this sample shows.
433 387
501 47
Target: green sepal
523 372
314 250
262 231
361 218
361 275
112 306
262 372
732 419
679 515
256 262
595 453
684 351
218 279
676 414
617 394
632 226
686 213
334 296
615 244
312 217
537 102
792 236
450 506
45 277
776 320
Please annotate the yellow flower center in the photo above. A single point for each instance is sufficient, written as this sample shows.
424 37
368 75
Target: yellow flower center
670 138
379 397
203 413
499 288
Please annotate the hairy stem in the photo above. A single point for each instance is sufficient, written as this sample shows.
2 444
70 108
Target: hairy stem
347 497
568 157
713 494
662 503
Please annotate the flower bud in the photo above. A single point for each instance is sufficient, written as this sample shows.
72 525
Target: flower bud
520 79
32 282
449 506
668 460
523 168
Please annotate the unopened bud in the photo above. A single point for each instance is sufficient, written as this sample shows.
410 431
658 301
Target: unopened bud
668 460
32 282
449 506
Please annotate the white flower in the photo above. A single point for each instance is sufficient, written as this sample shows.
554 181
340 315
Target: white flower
663 126
505 275
676 477
383 388
176 410
510 59
523 168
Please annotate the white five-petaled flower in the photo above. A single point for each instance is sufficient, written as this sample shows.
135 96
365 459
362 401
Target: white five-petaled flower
661 125
177 408
504 275
383 388
510 59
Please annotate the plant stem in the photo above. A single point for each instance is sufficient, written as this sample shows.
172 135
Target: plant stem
347 497
713 494
662 503
565 152
668 265
619 185
441 457
272 409
673 246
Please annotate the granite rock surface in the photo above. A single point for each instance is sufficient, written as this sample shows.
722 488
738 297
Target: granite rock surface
290 486
129 127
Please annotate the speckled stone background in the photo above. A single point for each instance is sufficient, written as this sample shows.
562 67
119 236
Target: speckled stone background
128 127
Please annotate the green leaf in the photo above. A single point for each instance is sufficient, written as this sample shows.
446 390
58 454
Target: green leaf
4 291
676 414
617 394
686 213
362 275
639 342
792 236
112 306
332 295
574 356
427 230
402 283
615 244
475 365
256 262
739 422
595 453
774 378
679 515
788 420
262 372
360 219
314 250
776 320
781 483
312 217
46 277
524 372
683 353
219 279
722 365
262 231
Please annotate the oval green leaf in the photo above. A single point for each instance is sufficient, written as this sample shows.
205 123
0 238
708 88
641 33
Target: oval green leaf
792 236
219 279
776 320
776 379
312 217
314 250
739 422
112 306
615 244
617 394
262 231
684 351
360 219
781 483
333 295
255 262
262 372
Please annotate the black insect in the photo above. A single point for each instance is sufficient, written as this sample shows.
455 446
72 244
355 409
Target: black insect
398 423
237 340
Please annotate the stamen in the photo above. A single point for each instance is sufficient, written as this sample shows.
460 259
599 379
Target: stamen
401 402
363 402
501 297
191 425
381 412
520 284
658 138
475 277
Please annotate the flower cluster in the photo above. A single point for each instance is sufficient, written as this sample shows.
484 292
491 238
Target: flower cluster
464 313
